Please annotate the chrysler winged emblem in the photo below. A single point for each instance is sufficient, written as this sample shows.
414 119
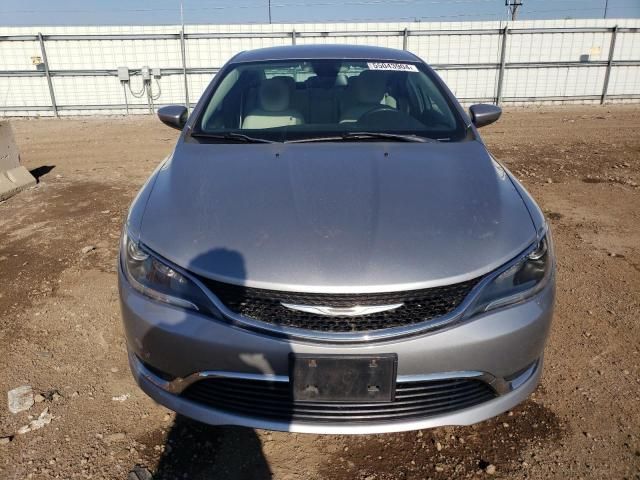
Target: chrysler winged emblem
355 311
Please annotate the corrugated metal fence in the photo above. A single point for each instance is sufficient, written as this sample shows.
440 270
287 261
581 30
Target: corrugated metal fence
73 70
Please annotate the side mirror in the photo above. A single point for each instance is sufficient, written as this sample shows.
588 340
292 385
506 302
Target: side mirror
484 114
173 115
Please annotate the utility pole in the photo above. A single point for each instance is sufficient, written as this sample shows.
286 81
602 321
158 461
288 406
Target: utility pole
512 6
606 6
182 15
269 11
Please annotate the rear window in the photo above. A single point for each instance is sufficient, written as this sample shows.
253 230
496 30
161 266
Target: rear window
293 100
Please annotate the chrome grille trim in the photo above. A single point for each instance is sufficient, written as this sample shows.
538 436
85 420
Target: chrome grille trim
428 326
439 323
177 385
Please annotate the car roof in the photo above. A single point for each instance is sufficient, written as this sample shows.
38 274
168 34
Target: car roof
310 52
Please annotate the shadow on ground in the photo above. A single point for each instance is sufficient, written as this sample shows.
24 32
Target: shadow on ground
198 451
505 443
41 171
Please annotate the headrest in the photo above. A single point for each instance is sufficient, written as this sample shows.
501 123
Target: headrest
274 95
341 80
370 86
289 81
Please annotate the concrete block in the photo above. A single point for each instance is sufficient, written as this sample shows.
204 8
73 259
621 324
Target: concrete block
14 180
13 176
9 157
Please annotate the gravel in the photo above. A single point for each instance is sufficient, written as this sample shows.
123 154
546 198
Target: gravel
60 317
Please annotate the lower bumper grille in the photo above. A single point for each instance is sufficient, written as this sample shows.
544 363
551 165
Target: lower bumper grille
273 400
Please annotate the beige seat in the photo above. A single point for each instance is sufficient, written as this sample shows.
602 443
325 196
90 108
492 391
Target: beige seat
369 90
273 109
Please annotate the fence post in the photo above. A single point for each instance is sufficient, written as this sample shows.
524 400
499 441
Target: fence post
183 51
293 37
503 61
405 38
48 74
612 47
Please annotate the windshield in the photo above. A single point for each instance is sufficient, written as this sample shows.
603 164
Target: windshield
334 99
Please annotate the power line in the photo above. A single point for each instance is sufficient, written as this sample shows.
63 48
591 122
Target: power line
328 4
273 5
417 18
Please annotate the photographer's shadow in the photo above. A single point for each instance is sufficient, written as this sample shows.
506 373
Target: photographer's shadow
195 450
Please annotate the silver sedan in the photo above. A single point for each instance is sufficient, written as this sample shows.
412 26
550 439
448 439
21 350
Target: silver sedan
330 248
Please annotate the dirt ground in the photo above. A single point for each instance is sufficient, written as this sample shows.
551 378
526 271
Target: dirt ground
60 329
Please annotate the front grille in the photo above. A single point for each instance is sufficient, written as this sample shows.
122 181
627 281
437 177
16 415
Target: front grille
265 305
273 400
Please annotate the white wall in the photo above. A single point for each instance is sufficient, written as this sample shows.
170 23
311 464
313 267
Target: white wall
30 95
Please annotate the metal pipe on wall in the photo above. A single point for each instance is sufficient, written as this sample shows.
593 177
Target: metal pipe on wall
43 51
607 75
503 61
183 51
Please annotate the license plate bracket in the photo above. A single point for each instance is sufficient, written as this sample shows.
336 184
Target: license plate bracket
343 378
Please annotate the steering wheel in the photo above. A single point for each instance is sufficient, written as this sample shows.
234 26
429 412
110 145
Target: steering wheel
374 110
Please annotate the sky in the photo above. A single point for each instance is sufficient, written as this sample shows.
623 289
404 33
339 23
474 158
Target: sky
150 12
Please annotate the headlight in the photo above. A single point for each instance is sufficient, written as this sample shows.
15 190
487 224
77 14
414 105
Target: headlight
520 281
157 280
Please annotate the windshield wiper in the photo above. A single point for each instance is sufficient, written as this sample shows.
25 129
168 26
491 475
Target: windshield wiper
241 137
346 136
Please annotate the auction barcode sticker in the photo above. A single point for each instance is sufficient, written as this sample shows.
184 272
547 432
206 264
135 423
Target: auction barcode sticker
399 67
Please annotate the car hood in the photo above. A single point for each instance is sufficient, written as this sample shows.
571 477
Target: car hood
336 217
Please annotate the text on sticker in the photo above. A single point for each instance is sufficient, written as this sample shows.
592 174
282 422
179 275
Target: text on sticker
400 67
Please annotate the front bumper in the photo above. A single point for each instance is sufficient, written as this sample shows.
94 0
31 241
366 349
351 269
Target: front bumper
153 385
186 345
